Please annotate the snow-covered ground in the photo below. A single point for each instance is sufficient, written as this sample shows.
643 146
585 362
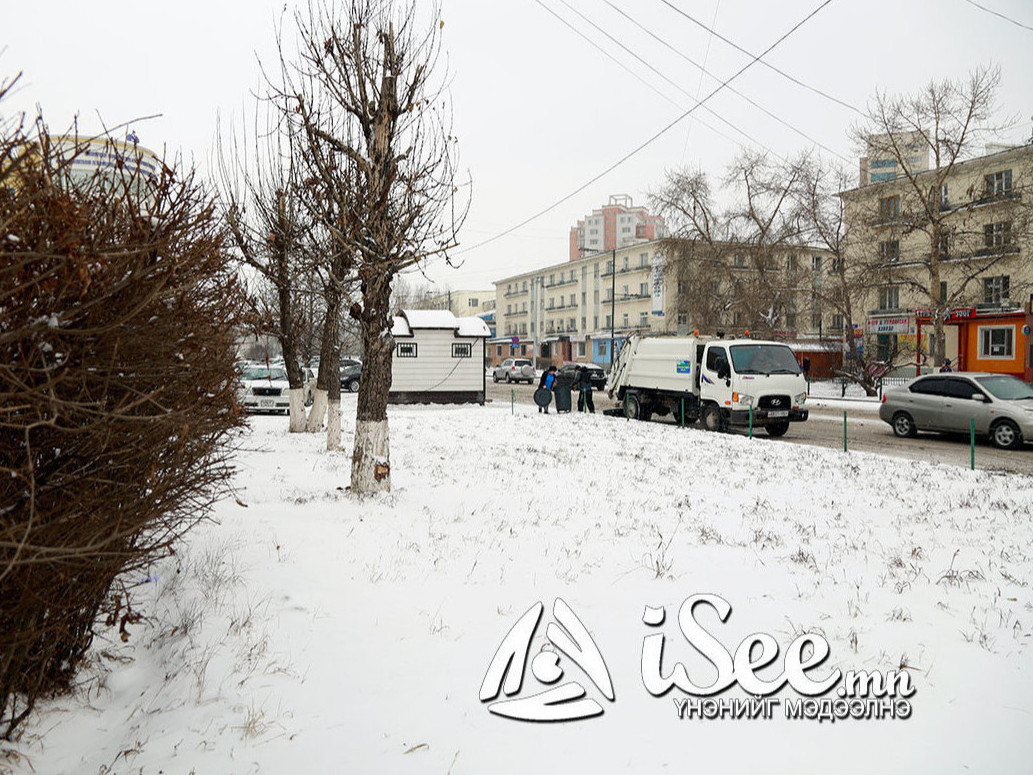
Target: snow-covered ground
312 631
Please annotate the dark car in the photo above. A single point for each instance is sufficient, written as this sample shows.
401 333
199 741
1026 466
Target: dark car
351 373
595 373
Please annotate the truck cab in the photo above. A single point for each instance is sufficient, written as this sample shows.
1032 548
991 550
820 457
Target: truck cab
743 381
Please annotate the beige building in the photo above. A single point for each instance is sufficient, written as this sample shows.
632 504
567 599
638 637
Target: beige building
569 309
566 311
953 244
459 303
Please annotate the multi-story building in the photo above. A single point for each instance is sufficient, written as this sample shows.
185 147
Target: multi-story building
459 303
949 244
574 310
618 224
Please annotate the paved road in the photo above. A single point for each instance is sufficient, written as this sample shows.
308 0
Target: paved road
865 432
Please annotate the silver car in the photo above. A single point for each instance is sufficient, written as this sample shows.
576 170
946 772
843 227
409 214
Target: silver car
1000 405
514 370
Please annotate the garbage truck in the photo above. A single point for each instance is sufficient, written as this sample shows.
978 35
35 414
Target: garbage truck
720 382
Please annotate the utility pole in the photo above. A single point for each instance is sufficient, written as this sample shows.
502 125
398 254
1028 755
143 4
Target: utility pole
613 306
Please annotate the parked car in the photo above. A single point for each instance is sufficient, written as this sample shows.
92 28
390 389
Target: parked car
265 389
1000 405
351 373
514 370
595 373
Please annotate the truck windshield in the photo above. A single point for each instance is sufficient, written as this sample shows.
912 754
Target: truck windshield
763 359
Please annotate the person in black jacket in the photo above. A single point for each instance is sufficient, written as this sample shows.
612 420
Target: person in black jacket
583 382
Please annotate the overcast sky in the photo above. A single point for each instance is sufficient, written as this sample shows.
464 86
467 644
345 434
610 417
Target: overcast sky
541 112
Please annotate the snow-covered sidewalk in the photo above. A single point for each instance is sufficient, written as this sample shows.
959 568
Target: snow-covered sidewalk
313 631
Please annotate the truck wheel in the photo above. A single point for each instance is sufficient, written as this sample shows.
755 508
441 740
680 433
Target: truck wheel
633 408
711 417
777 429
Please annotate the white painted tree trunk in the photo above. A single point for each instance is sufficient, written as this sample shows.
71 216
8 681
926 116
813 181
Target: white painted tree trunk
316 413
371 461
333 425
297 409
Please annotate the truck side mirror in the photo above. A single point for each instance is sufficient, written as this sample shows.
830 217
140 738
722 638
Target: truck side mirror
721 366
806 365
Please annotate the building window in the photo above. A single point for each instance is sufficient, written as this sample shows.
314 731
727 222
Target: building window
791 263
816 320
682 319
996 341
525 285
462 350
816 264
472 303
998 183
837 265
738 319
624 320
601 349
523 328
995 289
996 235
889 298
943 292
523 349
643 289
837 322
643 259
580 349
889 251
889 208
739 261
643 320
405 350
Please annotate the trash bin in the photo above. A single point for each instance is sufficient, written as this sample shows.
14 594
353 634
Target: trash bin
562 391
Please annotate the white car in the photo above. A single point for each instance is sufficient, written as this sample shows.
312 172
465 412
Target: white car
265 389
514 370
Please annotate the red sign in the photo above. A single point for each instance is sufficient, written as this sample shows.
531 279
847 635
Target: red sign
964 313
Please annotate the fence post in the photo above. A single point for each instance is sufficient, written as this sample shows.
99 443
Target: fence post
844 430
751 420
683 411
512 400
972 443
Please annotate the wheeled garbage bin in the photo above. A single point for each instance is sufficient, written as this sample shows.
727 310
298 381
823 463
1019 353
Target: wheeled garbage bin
562 391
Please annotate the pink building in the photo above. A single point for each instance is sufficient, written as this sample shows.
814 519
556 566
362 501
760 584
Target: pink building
614 225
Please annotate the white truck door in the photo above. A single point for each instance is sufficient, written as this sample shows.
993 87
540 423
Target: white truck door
713 387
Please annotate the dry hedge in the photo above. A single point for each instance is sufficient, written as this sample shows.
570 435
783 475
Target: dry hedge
118 305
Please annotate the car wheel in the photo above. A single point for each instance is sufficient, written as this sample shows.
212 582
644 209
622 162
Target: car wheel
904 426
494 377
777 429
1006 435
509 379
353 386
711 418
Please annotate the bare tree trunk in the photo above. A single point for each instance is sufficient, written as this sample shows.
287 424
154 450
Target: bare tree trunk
371 459
297 410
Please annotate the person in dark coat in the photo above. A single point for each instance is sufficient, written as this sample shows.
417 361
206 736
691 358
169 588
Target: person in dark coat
546 383
583 382
946 368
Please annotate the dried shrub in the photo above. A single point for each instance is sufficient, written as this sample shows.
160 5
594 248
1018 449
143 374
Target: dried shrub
117 394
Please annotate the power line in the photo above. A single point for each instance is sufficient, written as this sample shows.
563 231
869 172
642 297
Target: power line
631 53
655 137
704 71
771 67
1000 15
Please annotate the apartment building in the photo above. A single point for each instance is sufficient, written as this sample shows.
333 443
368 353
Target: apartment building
950 244
574 310
617 224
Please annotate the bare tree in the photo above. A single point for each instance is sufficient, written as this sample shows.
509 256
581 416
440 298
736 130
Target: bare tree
930 235
845 287
268 227
369 109
734 264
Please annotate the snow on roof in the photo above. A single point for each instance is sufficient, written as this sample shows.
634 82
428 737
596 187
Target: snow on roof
430 318
400 327
473 327
408 320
